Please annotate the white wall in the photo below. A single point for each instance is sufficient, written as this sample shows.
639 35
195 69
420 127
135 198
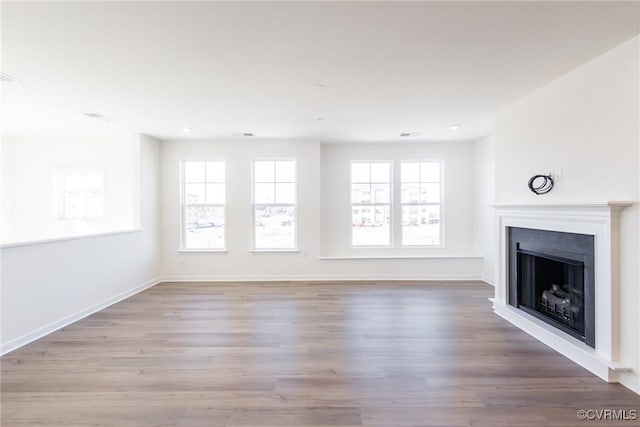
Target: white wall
241 264
586 123
457 196
484 225
30 206
48 285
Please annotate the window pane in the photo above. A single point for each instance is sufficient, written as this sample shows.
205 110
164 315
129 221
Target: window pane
264 171
410 172
286 171
286 193
265 193
430 171
275 227
360 172
80 193
215 194
360 193
74 183
194 171
370 225
94 182
194 194
204 227
381 193
215 172
380 172
420 225
410 193
430 193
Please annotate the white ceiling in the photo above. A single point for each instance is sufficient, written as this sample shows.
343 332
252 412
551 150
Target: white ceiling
220 68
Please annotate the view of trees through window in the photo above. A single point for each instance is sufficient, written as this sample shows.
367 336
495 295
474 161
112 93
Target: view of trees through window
274 204
204 205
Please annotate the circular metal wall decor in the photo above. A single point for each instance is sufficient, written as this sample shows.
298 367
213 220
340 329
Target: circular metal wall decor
541 184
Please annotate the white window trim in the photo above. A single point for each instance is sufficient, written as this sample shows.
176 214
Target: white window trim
186 251
284 251
395 206
183 206
390 204
254 205
441 204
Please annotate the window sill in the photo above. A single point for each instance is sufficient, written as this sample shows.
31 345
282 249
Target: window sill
215 251
364 257
397 248
281 251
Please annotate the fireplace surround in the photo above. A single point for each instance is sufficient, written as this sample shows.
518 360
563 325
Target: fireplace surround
598 349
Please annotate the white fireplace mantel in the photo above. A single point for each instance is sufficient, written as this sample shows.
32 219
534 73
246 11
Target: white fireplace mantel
602 220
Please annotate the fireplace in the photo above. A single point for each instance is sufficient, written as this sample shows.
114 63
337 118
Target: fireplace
552 278
581 237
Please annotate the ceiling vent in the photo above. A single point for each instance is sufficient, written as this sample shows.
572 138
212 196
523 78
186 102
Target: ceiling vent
243 134
406 134
99 117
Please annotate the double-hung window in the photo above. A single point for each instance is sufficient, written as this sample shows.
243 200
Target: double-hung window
421 202
203 204
371 203
274 204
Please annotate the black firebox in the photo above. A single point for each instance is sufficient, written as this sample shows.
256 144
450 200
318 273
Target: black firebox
551 277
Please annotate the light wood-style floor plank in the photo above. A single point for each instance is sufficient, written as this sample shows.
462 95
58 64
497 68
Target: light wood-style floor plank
332 354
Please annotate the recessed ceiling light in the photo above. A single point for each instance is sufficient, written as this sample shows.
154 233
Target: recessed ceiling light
4 77
455 127
186 129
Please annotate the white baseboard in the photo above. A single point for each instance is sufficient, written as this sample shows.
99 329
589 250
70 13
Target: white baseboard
630 380
67 320
573 349
488 279
324 278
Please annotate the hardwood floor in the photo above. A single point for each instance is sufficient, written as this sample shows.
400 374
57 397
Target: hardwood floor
300 354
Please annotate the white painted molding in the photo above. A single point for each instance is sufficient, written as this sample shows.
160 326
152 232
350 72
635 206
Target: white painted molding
520 206
600 220
394 257
67 320
488 280
325 278
65 238
630 380
564 344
